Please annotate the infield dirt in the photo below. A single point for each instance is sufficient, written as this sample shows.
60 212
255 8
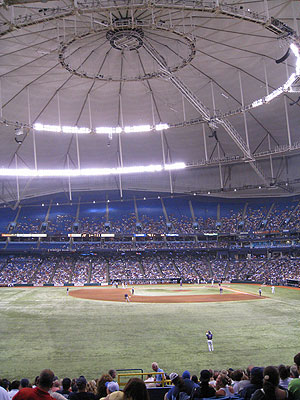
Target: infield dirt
119 295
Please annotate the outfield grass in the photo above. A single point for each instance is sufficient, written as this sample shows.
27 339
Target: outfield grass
45 328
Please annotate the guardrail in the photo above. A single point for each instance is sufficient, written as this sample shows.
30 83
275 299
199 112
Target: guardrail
164 382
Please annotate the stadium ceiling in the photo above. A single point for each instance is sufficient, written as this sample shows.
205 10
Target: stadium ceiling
92 84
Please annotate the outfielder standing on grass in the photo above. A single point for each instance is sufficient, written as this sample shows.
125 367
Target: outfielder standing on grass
209 337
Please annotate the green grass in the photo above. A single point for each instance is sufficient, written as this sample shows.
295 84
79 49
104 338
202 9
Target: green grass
45 328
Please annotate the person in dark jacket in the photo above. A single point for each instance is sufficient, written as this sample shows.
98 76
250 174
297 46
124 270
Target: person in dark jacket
82 393
205 390
256 382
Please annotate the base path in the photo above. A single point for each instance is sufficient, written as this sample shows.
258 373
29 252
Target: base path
118 295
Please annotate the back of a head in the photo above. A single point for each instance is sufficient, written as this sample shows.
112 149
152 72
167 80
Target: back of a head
256 376
297 360
271 381
112 373
224 379
101 388
24 383
294 371
237 375
66 383
205 376
135 389
284 372
81 383
186 375
15 385
4 383
46 379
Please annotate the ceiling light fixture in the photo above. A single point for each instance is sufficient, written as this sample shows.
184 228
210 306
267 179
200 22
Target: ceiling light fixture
73 173
100 129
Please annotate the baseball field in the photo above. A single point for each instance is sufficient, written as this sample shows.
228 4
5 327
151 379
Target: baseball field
89 331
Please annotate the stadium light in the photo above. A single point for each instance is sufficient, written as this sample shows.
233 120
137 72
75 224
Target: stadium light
274 94
107 130
137 128
161 127
73 173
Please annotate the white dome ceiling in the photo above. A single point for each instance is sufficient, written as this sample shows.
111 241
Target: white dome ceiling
189 64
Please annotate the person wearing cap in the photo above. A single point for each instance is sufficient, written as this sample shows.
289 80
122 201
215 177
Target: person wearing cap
111 387
205 389
256 382
181 384
82 393
209 337
41 391
294 385
186 376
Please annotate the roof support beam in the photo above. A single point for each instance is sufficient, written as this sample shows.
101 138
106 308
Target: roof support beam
203 110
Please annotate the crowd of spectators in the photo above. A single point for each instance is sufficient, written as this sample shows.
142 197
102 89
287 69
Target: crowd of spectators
252 383
192 267
250 218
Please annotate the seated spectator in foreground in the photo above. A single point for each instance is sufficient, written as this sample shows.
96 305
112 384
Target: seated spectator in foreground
101 388
159 375
135 389
54 391
236 377
205 389
4 383
180 385
294 385
256 381
55 385
82 393
24 383
14 388
149 381
294 372
111 387
284 374
66 388
245 379
92 387
36 380
40 392
4 394
112 373
194 379
186 376
223 386
270 389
